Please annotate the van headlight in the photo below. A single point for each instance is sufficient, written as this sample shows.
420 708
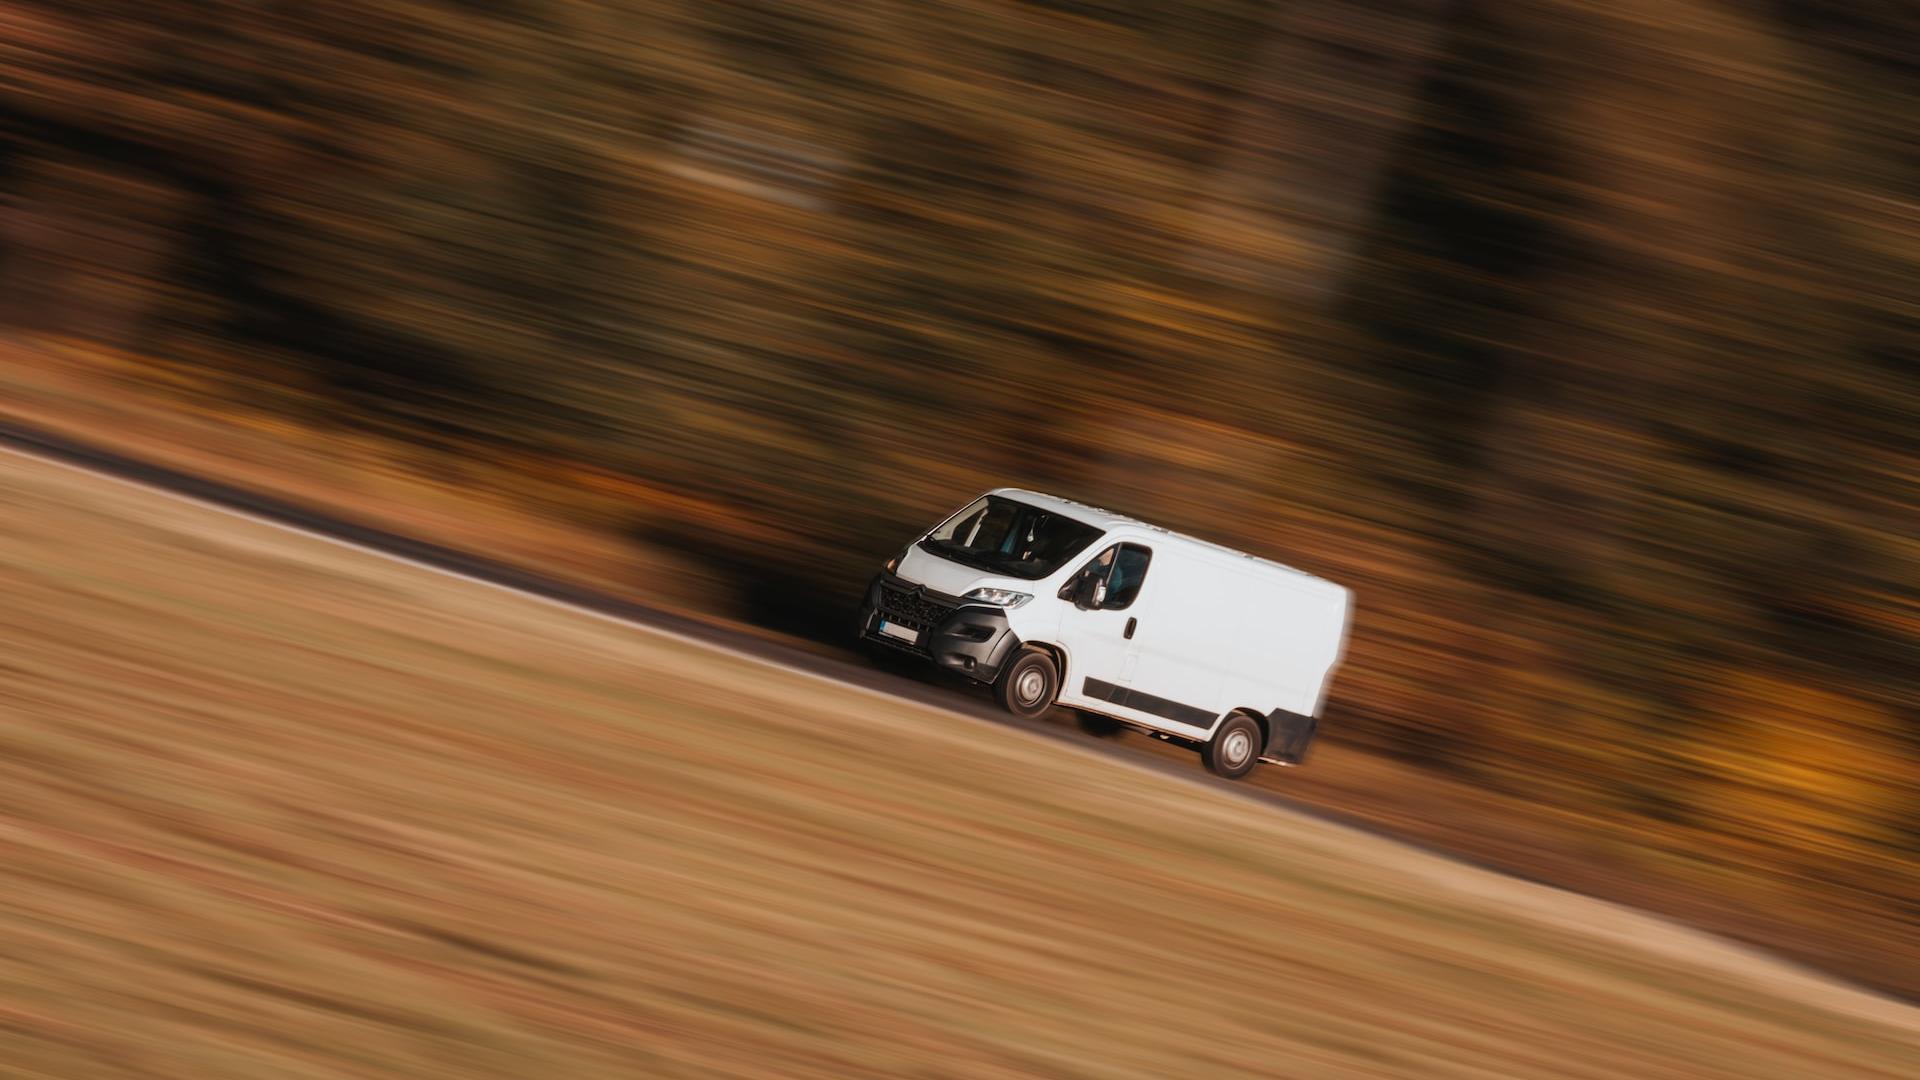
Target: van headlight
999 597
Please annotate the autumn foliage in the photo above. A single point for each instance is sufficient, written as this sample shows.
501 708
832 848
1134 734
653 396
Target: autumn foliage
1581 339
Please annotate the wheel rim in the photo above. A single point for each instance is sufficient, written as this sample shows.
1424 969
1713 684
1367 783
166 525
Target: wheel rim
1031 686
1237 748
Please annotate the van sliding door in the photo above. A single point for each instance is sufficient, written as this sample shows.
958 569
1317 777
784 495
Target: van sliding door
1185 627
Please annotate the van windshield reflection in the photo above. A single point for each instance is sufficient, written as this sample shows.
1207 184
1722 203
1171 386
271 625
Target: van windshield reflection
1006 536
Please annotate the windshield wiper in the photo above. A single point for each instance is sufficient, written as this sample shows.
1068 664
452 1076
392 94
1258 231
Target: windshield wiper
956 553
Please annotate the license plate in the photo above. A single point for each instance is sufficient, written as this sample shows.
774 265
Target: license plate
895 630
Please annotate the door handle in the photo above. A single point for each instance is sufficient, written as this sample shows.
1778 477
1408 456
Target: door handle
1131 623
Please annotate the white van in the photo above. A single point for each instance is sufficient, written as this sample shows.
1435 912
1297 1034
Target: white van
1051 601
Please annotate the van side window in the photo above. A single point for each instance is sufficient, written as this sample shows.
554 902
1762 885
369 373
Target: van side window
1123 567
1129 571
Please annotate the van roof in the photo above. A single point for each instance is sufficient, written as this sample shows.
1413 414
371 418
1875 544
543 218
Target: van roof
1107 520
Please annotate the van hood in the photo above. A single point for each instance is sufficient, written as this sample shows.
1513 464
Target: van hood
943 575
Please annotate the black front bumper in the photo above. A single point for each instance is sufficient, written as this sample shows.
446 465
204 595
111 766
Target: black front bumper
970 639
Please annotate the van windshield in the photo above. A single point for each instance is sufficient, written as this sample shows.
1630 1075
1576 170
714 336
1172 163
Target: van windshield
1003 536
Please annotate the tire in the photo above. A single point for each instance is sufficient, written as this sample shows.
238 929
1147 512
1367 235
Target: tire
1234 749
1028 684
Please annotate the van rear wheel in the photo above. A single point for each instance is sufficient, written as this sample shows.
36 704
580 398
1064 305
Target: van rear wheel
1234 749
1028 684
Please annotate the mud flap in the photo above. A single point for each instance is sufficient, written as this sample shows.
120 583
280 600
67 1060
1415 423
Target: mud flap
1291 734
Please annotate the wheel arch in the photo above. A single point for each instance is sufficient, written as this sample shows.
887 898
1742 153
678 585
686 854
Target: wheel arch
1259 720
1058 654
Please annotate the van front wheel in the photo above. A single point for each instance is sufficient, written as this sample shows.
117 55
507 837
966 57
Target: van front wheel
1029 684
1234 748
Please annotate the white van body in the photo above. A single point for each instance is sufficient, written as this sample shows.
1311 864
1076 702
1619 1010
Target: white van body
1195 634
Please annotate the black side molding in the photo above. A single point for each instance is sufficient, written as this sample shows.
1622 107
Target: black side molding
1158 706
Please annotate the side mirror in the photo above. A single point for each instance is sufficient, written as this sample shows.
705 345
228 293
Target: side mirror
1099 594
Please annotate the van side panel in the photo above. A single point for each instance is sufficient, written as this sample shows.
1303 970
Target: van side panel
1340 615
1289 639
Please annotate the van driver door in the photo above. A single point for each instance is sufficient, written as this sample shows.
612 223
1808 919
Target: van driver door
1098 631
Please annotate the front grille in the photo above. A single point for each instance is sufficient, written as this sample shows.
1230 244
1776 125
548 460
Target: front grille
912 608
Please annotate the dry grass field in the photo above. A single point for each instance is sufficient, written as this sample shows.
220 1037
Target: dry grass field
270 807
